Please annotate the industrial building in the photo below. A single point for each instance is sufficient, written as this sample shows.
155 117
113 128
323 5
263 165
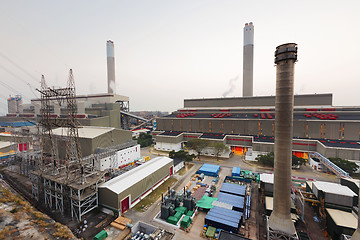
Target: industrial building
15 104
92 138
336 205
248 123
104 109
120 157
334 193
125 191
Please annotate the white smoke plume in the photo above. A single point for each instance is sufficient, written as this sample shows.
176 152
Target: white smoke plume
232 86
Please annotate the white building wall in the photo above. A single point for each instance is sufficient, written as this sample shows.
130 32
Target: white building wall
178 167
128 155
121 158
105 163
210 152
162 146
315 165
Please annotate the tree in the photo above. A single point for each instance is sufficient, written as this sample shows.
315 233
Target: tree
267 160
296 161
219 148
197 145
144 139
345 165
185 156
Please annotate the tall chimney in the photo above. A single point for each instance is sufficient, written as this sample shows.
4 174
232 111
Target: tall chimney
248 60
356 235
110 66
280 218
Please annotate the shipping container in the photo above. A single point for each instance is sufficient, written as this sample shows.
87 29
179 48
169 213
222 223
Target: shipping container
221 223
234 189
236 201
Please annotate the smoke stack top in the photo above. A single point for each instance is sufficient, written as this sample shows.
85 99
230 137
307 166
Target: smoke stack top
249 34
110 48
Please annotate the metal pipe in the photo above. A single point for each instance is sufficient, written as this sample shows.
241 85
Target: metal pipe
280 218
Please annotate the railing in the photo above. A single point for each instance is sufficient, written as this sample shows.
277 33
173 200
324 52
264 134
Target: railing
330 165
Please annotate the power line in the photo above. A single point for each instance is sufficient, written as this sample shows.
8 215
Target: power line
16 76
18 66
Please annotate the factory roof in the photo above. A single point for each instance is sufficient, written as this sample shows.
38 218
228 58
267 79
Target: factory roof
5 144
342 218
126 180
267 178
170 133
333 188
84 131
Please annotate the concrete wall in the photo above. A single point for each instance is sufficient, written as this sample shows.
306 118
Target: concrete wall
303 129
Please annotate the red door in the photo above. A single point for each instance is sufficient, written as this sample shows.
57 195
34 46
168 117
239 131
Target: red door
171 170
124 204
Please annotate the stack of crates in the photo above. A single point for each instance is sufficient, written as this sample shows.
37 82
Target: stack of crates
190 213
101 235
186 221
172 220
181 209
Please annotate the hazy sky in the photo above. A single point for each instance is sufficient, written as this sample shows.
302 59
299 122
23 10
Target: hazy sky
168 50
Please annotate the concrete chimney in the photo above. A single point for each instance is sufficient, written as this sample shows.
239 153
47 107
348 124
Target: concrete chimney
248 60
356 235
110 66
280 219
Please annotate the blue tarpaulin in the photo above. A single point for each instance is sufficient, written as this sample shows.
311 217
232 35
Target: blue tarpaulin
16 124
236 172
209 170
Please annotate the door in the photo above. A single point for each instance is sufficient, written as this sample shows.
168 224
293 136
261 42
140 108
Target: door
125 204
171 170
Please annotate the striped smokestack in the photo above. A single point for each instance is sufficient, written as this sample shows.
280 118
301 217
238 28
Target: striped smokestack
248 60
110 66
280 219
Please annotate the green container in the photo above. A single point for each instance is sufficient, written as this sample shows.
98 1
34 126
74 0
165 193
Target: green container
172 220
182 209
210 232
189 213
101 235
178 215
185 222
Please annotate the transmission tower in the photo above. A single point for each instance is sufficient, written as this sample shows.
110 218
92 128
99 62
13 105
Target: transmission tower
73 151
48 147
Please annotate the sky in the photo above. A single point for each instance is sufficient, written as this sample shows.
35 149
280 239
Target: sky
168 51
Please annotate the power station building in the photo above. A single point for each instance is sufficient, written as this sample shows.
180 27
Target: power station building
125 191
92 138
248 124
